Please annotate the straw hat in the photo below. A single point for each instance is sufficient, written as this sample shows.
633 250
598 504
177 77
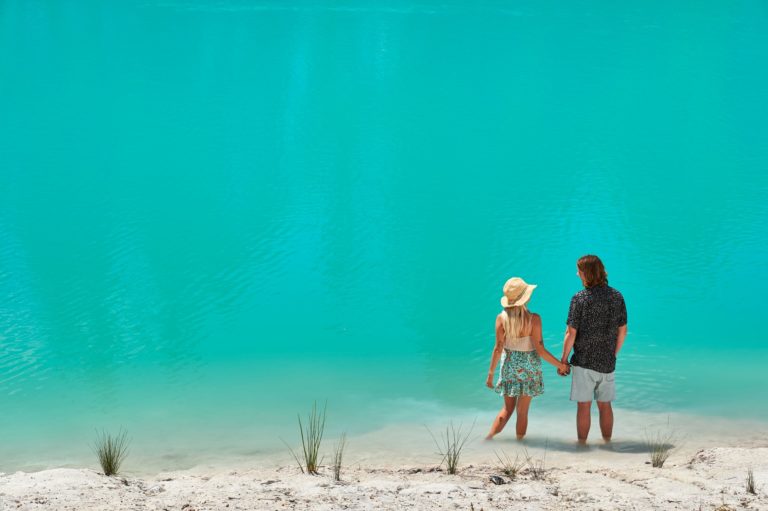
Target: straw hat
516 292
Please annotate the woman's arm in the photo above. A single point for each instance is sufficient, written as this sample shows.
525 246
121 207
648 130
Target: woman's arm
497 349
538 343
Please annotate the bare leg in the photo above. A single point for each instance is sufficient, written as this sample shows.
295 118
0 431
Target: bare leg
606 419
583 419
501 419
523 403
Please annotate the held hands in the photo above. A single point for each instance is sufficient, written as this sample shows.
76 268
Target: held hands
563 368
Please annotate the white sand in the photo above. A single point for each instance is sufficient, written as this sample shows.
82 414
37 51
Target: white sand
709 479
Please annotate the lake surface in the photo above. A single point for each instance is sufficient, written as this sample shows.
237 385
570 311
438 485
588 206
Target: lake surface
214 213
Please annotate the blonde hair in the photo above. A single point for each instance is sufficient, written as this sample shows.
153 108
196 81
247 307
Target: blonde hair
517 320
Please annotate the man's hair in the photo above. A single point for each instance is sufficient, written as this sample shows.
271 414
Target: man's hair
593 270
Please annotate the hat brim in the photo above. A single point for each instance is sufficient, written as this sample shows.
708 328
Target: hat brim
520 301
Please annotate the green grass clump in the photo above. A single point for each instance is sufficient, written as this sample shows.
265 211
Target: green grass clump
111 451
338 456
311 438
536 466
751 482
450 445
510 467
660 445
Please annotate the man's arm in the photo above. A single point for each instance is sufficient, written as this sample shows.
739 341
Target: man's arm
620 338
573 323
622 320
570 338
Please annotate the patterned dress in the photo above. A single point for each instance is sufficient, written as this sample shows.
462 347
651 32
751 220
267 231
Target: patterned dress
520 373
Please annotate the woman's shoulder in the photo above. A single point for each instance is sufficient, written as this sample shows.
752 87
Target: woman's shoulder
536 317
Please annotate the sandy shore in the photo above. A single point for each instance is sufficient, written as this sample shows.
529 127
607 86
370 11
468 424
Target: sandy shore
711 478
395 467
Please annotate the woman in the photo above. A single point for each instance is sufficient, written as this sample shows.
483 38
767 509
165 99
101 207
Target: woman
519 345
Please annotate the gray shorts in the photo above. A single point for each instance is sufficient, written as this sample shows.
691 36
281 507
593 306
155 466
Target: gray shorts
588 385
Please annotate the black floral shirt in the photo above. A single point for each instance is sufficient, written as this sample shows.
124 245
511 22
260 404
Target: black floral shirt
596 313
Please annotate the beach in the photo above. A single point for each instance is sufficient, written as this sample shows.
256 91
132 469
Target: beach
707 479
397 468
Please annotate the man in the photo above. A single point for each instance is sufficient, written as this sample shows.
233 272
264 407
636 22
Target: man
597 326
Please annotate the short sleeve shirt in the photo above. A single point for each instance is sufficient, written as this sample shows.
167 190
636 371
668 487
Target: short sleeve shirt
596 313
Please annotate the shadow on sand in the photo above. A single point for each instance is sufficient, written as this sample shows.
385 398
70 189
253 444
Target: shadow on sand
619 446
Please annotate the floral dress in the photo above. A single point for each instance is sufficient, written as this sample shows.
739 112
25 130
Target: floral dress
520 374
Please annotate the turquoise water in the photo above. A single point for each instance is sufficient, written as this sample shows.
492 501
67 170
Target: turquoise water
213 213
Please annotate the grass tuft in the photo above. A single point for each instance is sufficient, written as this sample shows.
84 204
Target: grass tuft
660 445
537 466
311 438
450 445
751 482
509 467
338 456
111 451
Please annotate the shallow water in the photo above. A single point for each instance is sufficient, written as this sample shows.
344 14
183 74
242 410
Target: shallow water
214 213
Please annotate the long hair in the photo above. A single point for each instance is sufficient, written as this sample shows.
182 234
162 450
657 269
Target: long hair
593 270
518 320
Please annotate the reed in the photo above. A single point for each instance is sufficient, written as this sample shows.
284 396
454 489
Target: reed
311 437
751 482
537 466
510 467
111 450
338 456
660 446
450 444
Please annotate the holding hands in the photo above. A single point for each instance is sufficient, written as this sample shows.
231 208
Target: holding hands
563 368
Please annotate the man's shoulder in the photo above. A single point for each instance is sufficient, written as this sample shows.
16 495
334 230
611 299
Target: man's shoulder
615 292
581 295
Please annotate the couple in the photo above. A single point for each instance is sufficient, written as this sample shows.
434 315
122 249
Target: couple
597 326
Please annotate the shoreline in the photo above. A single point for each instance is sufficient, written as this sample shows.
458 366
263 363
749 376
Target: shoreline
399 443
396 467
